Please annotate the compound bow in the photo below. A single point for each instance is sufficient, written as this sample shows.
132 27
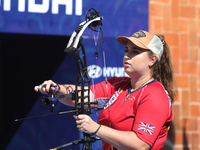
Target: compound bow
93 21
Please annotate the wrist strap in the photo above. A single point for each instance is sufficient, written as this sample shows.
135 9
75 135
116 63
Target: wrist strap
96 130
58 87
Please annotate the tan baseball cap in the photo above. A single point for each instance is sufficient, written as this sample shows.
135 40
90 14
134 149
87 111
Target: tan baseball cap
145 40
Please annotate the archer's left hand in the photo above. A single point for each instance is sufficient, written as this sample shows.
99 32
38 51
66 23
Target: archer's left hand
86 124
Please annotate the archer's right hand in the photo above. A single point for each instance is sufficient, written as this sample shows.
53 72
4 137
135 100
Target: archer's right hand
45 87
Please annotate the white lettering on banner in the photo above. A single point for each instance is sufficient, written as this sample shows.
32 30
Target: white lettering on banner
113 71
21 5
38 8
95 71
44 6
79 5
6 5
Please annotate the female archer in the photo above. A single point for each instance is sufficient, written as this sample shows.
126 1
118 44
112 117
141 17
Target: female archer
136 110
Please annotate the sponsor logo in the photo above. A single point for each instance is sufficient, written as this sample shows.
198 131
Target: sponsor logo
138 34
44 6
96 71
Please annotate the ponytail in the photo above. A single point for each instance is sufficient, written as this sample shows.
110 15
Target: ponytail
163 71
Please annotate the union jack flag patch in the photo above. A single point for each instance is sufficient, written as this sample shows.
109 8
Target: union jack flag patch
146 128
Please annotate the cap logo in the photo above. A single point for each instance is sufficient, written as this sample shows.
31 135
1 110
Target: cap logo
138 34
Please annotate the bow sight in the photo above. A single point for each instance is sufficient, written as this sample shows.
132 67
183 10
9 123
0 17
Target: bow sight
51 100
